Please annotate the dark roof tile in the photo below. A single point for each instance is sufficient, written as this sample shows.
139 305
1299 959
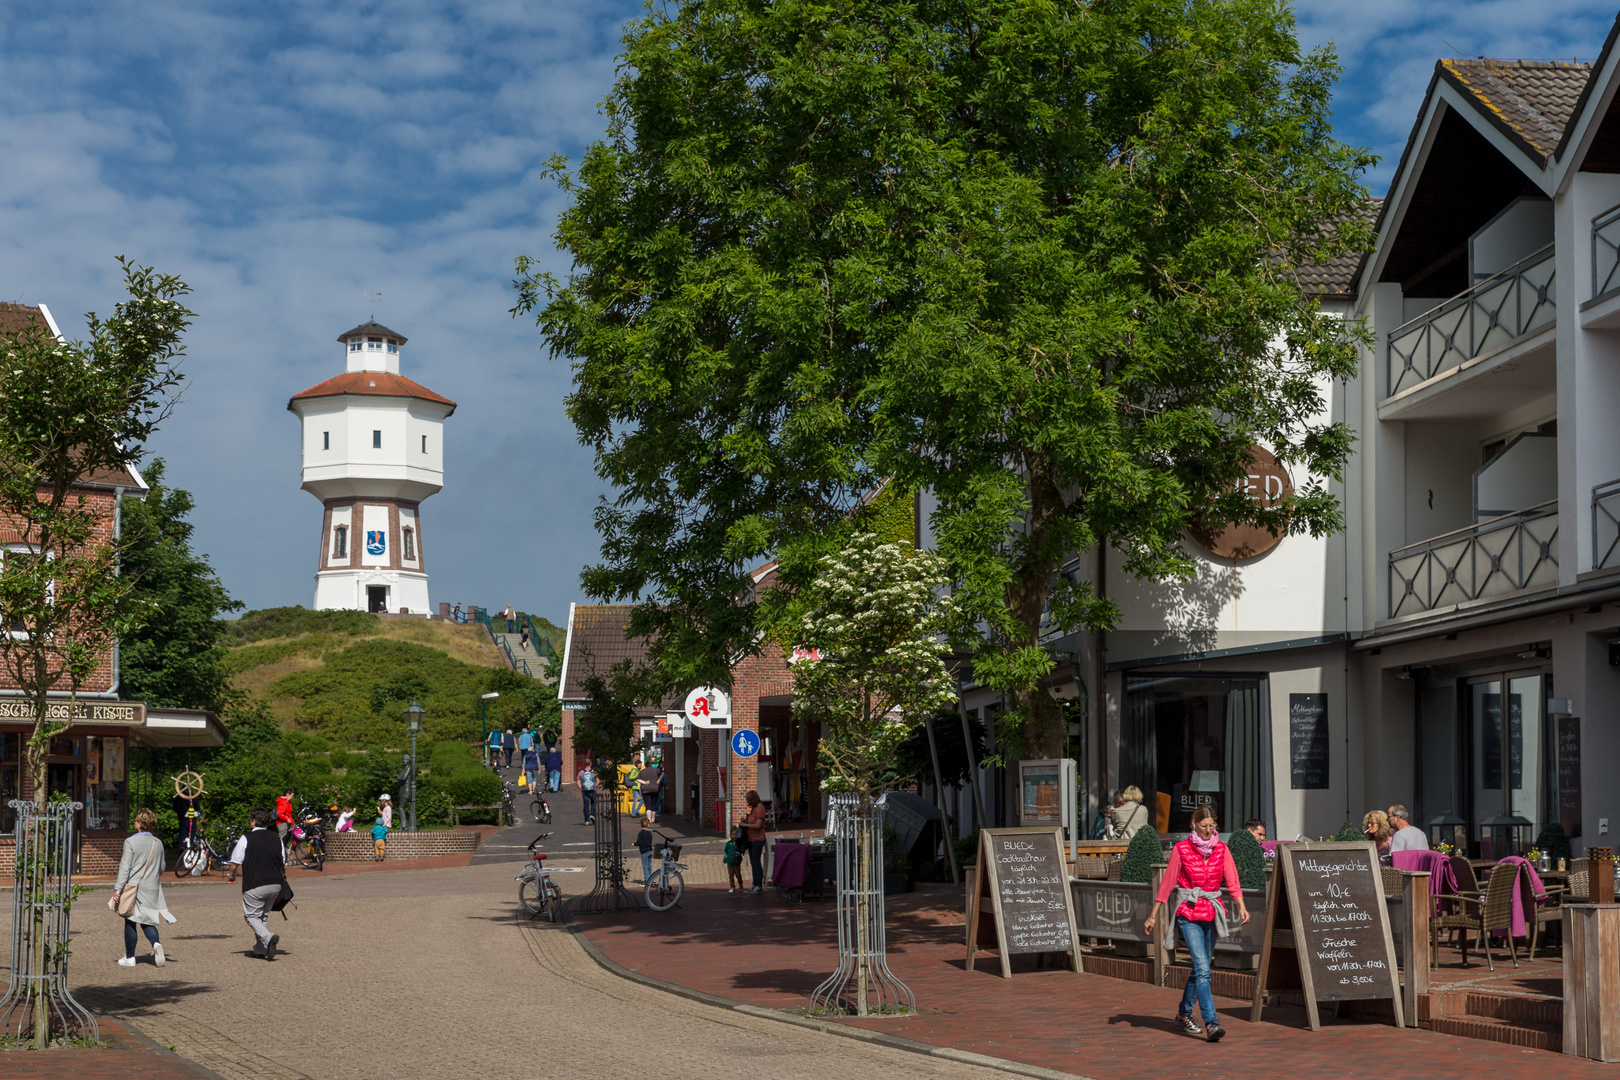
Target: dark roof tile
1532 100
372 329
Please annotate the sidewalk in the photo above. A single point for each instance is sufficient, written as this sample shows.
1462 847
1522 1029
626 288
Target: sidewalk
763 952
126 1057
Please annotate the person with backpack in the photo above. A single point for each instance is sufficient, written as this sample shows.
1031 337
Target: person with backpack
587 791
257 856
733 861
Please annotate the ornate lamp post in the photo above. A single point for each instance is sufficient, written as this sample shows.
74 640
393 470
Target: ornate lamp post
413 724
483 720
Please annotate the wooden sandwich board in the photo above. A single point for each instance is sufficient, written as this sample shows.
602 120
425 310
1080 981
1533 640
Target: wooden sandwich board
1026 880
1329 933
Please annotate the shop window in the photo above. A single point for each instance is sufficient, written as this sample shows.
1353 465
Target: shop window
106 788
340 542
10 778
408 540
1192 741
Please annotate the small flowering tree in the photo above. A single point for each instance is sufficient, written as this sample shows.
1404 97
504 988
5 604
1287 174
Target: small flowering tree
877 624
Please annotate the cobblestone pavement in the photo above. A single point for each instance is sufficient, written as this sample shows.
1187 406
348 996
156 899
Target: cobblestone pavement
421 973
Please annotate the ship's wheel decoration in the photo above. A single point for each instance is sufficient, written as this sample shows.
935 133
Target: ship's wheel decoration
189 785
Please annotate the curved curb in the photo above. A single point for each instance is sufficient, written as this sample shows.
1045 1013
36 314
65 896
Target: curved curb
893 1042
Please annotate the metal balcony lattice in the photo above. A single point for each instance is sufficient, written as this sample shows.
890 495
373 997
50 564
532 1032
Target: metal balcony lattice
1606 252
1499 310
1496 557
1606 525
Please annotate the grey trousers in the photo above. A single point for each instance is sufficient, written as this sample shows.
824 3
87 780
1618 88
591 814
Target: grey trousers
255 907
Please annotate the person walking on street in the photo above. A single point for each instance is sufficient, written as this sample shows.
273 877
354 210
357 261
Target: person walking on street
587 790
1199 865
635 789
284 818
259 863
525 741
495 749
141 869
753 827
554 768
509 744
531 768
651 779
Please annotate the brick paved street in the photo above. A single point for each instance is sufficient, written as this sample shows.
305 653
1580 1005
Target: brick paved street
423 973
771 954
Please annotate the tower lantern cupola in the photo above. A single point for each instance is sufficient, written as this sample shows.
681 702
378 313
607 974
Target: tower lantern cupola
372 346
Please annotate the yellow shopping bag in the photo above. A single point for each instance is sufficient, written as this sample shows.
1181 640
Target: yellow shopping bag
523 781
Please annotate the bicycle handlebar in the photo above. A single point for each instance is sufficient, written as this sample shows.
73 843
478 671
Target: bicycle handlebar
537 839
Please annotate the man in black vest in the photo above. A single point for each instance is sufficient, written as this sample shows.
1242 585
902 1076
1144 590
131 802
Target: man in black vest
258 856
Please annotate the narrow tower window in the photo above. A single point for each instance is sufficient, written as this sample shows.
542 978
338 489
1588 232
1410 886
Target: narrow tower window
376 440
408 538
424 444
354 344
326 440
340 542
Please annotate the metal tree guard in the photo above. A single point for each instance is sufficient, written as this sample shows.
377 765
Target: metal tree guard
42 895
609 893
863 983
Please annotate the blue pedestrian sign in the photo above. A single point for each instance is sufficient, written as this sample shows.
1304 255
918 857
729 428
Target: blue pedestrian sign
745 744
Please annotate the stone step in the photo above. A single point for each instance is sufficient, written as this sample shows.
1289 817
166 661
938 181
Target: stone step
1508 1032
1512 1008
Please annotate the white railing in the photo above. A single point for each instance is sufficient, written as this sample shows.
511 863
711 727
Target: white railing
1606 525
1606 252
1503 555
1500 309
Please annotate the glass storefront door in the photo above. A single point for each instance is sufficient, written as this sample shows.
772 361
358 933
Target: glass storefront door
1506 752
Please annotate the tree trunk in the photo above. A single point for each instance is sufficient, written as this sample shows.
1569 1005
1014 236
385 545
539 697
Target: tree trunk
1044 735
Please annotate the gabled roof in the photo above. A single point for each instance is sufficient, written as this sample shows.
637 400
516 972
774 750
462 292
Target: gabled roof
1335 279
372 329
599 640
378 383
16 318
1529 101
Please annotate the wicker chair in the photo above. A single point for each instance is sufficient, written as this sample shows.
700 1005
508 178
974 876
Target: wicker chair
1090 867
1114 868
1551 912
1494 912
1580 886
1393 883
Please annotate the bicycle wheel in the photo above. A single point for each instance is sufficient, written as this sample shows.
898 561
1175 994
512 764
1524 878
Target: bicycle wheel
188 859
309 858
534 811
553 903
664 890
529 895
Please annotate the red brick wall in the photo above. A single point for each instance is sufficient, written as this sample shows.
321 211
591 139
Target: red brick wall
357 846
99 854
104 506
765 675
565 745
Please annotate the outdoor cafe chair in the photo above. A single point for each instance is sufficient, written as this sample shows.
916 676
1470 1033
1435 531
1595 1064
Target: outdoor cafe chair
1483 916
1115 866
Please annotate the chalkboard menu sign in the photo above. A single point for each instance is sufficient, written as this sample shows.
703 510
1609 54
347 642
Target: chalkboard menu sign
1332 936
1308 740
1023 875
1569 774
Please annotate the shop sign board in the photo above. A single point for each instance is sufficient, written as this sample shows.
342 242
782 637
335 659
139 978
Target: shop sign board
1307 741
1266 482
1023 876
708 707
1568 730
1332 938
118 713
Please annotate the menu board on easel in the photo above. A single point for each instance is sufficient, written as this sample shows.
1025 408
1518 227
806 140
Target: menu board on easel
1329 929
1022 875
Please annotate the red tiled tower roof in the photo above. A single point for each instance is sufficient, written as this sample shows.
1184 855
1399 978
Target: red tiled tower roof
379 383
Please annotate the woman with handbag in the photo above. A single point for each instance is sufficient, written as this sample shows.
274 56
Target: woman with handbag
138 892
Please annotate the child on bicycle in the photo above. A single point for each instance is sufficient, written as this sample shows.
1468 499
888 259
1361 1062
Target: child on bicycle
644 844
379 840
733 860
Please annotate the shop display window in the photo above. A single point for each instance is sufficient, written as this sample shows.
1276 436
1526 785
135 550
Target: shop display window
1196 741
106 784
10 778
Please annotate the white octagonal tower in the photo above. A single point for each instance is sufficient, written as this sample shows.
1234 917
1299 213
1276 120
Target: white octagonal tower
372 451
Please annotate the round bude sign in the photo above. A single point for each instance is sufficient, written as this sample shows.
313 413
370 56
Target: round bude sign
745 743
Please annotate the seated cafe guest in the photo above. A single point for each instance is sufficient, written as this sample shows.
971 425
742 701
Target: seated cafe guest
1375 823
1129 815
1408 837
1257 829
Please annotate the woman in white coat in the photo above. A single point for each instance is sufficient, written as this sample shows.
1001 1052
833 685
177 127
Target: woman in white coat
141 869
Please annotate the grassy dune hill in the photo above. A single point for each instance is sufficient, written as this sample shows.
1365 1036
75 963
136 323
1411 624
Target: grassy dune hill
348 675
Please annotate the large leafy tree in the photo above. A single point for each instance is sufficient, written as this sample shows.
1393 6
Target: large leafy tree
1037 258
175 658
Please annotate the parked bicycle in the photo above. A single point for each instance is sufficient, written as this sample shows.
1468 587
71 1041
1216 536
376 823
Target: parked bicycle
536 891
306 840
198 852
665 886
540 808
508 805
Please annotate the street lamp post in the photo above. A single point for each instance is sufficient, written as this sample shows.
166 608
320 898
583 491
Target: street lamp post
413 724
483 718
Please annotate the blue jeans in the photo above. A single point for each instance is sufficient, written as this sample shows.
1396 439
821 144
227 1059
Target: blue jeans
533 778
556 779
130 936
1199 937
646 865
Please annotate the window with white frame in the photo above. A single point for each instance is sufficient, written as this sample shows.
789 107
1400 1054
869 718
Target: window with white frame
340 542
374 344
408 540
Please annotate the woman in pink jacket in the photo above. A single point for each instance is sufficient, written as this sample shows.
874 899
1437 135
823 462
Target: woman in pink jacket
1199 865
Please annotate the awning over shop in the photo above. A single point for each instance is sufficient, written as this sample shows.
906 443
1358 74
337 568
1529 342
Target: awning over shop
180 729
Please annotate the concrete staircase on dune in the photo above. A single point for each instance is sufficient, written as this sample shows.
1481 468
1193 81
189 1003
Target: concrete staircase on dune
525 660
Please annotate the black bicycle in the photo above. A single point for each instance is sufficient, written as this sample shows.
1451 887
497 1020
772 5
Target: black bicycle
540 808
508 806
307 840
199 853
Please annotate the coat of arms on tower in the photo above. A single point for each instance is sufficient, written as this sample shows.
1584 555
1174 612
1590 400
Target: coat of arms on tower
376 541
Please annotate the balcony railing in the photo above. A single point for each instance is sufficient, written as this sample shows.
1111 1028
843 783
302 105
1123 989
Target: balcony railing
1606 252
1496 557
1606 525
1500 309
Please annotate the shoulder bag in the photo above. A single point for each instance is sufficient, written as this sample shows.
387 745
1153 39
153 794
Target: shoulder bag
124 904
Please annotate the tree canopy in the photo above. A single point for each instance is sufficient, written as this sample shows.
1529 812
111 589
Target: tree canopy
1038 259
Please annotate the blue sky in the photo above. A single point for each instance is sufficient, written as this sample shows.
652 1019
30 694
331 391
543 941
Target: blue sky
287 158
